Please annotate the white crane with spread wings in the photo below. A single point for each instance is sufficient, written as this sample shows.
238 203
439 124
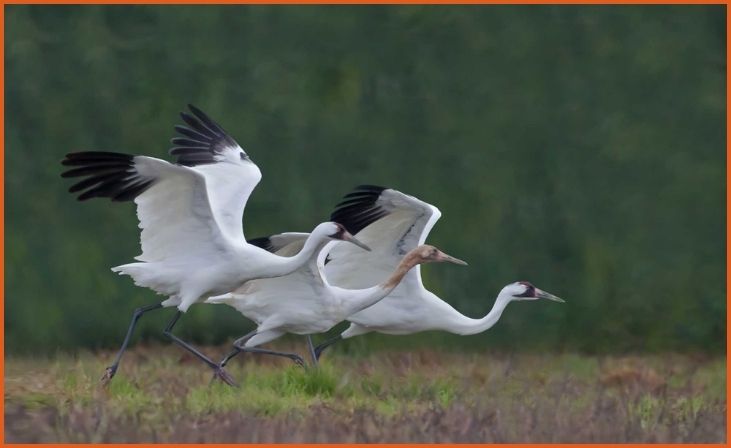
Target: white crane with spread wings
392 223
303 302
190 213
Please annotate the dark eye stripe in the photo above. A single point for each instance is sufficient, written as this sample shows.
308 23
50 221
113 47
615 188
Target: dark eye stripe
530 290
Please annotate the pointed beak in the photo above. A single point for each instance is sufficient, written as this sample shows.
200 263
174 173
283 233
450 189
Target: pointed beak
547 295
350 238
444 257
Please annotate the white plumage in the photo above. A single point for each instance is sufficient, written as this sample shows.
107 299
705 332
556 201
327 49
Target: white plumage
193 246
392 223
410 308
186 241
303 302
190 213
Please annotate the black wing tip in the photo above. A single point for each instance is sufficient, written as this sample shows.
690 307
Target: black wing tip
366 188
94 155
106 174
196 111
358 208
201 138
89 160
264 242
370 187
203 119
360 196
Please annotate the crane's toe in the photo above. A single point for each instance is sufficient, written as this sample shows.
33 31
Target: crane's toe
222 375
299 361
108 375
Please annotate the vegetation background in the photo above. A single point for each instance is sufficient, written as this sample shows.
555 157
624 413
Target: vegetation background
581 148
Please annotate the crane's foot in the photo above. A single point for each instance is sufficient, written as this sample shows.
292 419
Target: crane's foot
298 360
221 374
108 375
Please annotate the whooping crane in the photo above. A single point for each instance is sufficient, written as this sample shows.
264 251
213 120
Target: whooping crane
190 213
392 223
303 302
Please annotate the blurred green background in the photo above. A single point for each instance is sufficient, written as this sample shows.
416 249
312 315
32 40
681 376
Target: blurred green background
580 148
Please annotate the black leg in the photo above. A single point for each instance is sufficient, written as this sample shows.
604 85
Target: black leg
236 350
240 348
229 357
320 348
239 345
112 370
311 349
294 357
216 368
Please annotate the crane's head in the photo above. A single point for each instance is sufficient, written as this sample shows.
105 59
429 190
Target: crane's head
526 291
337 231
430 254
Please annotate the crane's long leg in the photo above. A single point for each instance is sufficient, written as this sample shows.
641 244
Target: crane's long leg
240 347
112 370
236 350
218 370
311 349
320 348
262 337
293 356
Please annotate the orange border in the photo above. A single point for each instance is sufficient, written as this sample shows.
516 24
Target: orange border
728 215
2 221
364 2
313 2
375 445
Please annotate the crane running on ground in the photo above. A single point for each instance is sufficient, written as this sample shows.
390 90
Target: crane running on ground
392 223
190 213
303 302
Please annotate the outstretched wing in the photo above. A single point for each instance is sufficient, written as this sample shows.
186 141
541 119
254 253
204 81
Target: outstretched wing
172 203
230 174
391 223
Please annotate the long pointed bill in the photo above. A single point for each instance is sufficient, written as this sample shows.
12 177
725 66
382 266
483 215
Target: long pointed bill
444 257
547 295
350 238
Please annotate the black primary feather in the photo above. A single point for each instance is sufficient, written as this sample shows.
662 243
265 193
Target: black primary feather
107 175
201 140
264 242
358 208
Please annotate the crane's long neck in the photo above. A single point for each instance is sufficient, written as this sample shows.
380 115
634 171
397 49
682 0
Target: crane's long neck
360 299
309 252
461 324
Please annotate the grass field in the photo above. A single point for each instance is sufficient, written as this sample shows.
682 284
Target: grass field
162 395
